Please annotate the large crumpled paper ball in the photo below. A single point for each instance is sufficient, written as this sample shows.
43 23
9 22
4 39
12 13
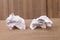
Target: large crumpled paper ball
15 21
42 21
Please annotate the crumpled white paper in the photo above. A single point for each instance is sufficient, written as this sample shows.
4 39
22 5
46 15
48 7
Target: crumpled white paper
15 20
42 21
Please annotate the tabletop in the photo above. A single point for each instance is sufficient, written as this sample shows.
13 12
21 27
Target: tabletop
52 33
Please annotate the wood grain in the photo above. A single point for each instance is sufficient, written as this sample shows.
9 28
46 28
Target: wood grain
29 9
10 6
53 8
1 9
5 9
25 8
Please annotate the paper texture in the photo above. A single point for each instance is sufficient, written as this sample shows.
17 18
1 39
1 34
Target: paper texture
42 21
15 20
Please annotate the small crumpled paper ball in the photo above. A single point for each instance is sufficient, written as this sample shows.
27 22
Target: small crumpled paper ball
42 21
15 21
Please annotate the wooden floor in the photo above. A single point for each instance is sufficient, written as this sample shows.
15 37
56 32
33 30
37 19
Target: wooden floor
28 34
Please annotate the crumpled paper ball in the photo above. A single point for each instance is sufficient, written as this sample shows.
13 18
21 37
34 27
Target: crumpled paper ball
15 21
42 21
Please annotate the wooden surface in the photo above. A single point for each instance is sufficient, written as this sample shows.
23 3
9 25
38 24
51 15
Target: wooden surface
24 8
28 34
29 9
3 9
53 7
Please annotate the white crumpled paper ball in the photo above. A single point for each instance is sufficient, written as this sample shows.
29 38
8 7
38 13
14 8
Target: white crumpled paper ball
15 20
42 21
